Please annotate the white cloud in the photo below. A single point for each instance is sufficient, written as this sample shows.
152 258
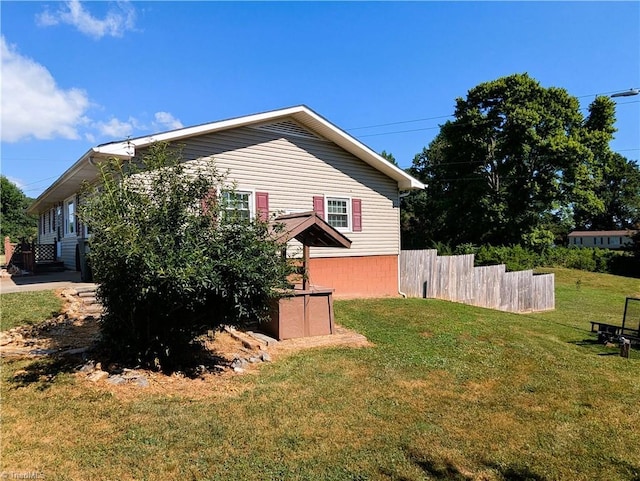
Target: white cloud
115 128
17 182
32 105
166 120
114 24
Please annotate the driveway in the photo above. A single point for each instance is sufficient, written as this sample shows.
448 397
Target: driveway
42 282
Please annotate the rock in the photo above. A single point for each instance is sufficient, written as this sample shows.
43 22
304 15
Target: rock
238 369
88 367
239 362
140 381
98 375
116 380
254 359
265 357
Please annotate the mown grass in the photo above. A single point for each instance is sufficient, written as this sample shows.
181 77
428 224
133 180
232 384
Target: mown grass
448 392
27 308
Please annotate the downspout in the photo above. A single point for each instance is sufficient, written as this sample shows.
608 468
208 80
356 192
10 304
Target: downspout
400 196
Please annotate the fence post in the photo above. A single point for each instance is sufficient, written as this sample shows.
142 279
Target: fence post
625 344
8 250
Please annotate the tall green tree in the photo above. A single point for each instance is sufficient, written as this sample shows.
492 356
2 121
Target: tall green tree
494 172
14 220
389 157
603 187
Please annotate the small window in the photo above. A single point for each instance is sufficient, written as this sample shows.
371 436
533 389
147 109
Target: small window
238 205
70 221
338 213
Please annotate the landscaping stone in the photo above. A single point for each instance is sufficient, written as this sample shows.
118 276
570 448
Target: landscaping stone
88 367
141 381
116 380
98 376
265 356
239 362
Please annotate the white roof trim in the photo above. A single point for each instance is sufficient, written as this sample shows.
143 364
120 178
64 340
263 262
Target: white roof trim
300 113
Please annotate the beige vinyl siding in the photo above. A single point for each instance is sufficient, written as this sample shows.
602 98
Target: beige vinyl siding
294 169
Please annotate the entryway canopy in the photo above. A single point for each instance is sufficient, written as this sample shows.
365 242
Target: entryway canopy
308 229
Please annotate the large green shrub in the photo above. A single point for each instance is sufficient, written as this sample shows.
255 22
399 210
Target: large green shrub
171 259
588 259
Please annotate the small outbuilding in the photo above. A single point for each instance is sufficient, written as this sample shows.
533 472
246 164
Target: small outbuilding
308 310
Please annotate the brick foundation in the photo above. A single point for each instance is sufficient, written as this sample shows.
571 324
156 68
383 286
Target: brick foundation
370 276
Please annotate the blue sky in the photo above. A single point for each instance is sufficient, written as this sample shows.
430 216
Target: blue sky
77 74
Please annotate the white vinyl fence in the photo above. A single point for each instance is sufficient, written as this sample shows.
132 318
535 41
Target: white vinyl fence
454 278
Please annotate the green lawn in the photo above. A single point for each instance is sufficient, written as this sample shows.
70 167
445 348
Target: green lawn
449 392
27 308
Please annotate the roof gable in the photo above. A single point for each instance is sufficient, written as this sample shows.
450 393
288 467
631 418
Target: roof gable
299 120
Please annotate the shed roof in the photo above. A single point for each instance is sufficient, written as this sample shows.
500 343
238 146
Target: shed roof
84 169
602 233
309 229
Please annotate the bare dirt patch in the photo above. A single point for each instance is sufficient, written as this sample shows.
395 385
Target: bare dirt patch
72 336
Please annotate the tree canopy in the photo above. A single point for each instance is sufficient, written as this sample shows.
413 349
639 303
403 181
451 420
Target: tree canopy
519 164
14 220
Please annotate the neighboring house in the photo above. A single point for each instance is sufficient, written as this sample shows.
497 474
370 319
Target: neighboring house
606 239
283 161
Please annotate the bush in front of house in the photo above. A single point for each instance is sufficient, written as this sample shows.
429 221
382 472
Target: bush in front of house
171 259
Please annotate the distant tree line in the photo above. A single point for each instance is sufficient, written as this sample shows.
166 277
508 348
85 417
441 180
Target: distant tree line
14 220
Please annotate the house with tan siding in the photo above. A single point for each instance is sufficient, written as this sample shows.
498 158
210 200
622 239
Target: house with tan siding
283 161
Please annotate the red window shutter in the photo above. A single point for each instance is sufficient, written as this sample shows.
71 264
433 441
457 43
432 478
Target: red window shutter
209 200
356 214
262 205
318 206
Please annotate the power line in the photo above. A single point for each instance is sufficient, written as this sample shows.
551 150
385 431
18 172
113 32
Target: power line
437 127
451 115
400 122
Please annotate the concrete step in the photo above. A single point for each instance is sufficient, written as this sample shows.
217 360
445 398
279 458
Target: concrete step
86 292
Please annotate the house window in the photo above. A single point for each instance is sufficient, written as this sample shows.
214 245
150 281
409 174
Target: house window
338 212
341 213
238 205
70 218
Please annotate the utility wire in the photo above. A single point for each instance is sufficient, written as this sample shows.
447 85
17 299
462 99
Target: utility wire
437 127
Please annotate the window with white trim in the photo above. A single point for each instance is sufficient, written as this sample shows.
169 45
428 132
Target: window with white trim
338 213
70 217
238 204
